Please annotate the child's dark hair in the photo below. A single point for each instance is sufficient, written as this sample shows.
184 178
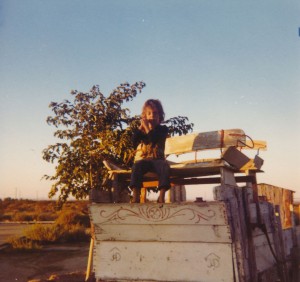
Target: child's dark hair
154 103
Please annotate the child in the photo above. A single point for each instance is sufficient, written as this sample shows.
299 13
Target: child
150 155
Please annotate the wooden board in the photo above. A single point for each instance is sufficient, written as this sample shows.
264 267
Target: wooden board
281 197
256 144
170 242
297 231
263 254
221 139
213 213
205 141
288 240
170 233
179 170
163 261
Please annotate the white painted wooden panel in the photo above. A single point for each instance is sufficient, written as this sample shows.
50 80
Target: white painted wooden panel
163 261
172 233
205 141
212 213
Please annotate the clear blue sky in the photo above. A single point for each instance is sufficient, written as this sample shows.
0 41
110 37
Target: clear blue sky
224 64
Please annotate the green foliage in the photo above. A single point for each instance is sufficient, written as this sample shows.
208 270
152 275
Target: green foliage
93 128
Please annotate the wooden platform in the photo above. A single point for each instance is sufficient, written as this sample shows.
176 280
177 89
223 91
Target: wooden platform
186 242
232 239
235 238
229 143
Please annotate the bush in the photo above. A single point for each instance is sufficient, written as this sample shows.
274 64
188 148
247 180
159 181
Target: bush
46 216
44 233
24 216
70 226
56 233
6 217
23 243
71 217
76 233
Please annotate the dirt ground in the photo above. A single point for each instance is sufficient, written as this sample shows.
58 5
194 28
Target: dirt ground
52 263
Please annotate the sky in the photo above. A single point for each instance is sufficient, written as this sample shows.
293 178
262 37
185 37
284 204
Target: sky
223 64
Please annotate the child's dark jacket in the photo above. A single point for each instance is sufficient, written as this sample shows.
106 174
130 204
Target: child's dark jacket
150 145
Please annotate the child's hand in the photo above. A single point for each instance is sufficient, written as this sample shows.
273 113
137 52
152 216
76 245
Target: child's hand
145 125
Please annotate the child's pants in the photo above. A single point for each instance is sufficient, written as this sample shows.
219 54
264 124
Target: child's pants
160 167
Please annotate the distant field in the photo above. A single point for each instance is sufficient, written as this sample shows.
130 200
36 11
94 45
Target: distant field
16 215
11 229
14 210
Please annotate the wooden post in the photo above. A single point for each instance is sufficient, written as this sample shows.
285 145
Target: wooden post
245 259
177 194
143 195
247 197
90 259
282 255
227 178
253 185
91 253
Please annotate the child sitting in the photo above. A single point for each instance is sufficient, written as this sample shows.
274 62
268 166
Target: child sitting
150 142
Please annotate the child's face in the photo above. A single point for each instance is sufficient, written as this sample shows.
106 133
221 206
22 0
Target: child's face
151 113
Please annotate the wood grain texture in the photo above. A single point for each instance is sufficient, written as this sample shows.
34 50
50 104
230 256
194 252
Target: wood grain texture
164 261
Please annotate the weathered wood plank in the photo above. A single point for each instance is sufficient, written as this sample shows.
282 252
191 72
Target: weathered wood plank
263 254
163 261
212 213
279 196
264 213
256 144
171 233
227 178
211 140
233 195
178 167
259 232
180 171
288 240
205 141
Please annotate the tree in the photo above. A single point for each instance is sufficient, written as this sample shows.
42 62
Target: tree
93 128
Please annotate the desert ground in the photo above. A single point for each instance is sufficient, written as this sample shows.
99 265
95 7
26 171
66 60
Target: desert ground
52 263
61 262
